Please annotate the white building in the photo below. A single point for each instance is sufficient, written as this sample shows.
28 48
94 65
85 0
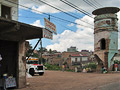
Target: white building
77 59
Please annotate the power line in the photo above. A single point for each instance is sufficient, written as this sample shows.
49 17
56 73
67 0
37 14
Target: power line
75 23
64 26
48 14
26 7
60 8
91 4
76 7
54 19
97 3
30 17
64 12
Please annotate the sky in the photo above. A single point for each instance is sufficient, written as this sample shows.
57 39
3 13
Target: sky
80 35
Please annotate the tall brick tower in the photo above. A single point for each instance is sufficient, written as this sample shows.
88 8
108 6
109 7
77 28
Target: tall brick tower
105 35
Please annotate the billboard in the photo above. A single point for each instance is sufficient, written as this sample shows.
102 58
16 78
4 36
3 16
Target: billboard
47 34
50 26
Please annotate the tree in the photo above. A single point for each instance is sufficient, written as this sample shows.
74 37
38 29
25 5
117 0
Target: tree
29 50
50 51
43 60
43 49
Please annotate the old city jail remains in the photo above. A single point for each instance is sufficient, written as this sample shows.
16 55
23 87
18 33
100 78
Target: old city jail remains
105 36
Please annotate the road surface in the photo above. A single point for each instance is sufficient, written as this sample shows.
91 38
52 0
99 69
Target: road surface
58 80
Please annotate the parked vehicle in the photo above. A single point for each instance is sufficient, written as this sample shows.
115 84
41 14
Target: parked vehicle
33 67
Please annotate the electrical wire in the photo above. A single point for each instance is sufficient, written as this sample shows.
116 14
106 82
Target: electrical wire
47 14
94 1
64 12
76 7
60 8
64 26
90 4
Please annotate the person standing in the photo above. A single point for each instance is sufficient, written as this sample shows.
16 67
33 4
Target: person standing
116 67
63 68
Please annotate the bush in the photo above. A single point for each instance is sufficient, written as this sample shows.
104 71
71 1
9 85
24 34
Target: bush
52 67
116 62
91 65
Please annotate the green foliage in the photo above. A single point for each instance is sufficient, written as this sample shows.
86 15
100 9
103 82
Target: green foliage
50 51
43 60
116 62
35 55
69 70
52 67
43 49
29 50
91 65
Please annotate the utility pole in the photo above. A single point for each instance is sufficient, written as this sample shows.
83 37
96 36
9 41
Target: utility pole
41 51
49 18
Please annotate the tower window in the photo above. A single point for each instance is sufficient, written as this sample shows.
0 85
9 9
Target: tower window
5 12
103 44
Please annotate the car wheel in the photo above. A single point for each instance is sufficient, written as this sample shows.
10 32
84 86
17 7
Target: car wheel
31 71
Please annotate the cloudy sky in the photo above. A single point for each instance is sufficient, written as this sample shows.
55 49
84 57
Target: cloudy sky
75 30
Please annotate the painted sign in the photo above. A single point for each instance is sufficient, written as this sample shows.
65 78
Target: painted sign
47 34
50 26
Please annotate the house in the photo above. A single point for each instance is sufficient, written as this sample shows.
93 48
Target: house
53 58
13 35
79 59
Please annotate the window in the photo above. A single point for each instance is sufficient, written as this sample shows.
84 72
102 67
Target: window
103 44
75 59
5 12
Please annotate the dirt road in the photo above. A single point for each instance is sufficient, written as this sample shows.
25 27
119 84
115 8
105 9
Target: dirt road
58 80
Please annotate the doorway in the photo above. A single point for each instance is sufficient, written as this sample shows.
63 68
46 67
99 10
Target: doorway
9 53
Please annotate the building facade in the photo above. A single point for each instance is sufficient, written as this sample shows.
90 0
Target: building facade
79 59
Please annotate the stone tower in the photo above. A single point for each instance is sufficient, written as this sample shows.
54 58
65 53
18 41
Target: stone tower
105 35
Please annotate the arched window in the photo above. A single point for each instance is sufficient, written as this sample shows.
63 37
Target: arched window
103 44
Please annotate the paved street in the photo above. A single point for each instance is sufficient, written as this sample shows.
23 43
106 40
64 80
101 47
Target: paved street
58 80
110 86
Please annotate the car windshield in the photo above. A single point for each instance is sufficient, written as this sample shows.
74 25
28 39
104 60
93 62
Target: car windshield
32 62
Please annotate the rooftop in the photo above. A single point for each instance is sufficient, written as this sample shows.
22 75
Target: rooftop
105 10
78 55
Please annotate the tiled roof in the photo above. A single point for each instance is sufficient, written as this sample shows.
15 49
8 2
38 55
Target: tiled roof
78 55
